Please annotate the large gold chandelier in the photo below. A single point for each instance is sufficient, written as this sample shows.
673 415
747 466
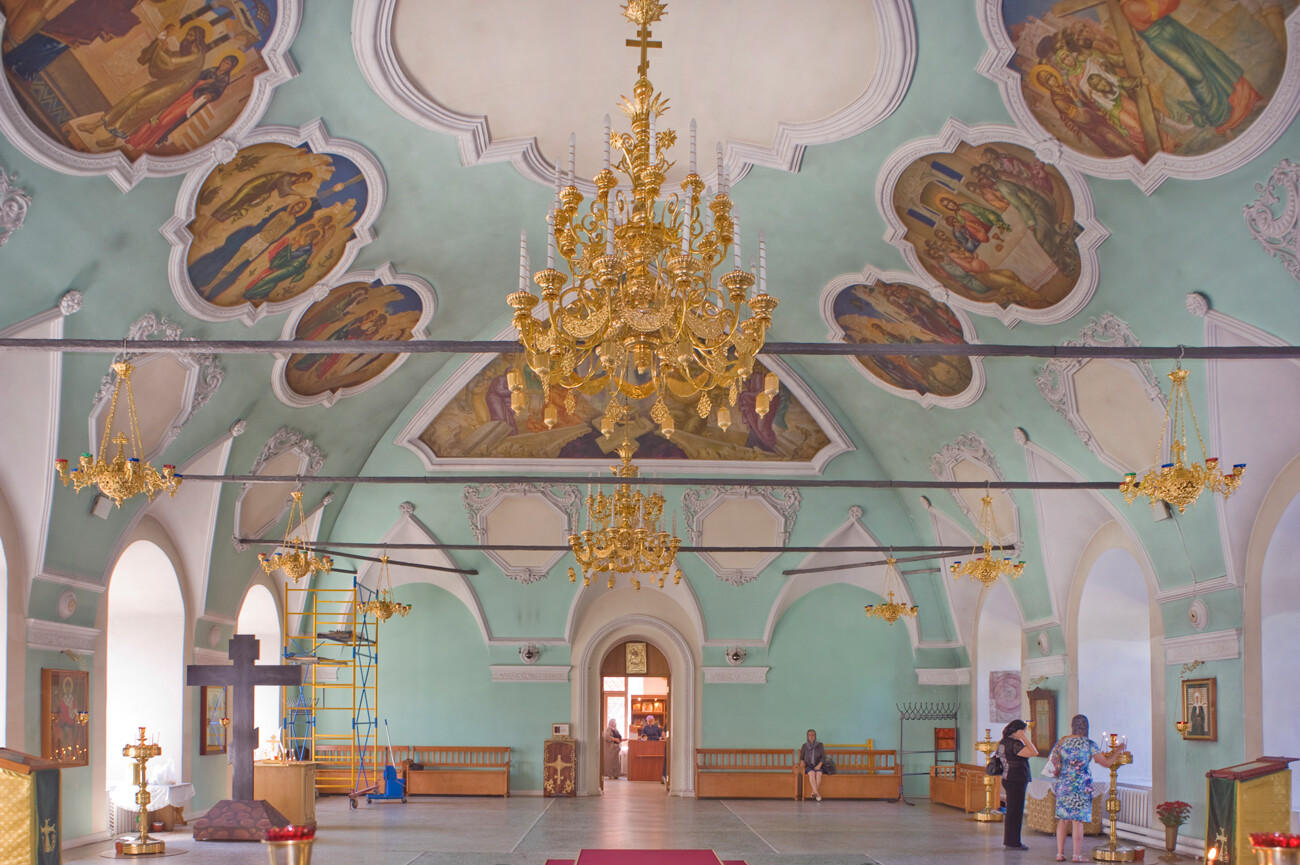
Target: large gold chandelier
382 606
1177 482
121 477
296 558
891 611
623 534
986 568
643 314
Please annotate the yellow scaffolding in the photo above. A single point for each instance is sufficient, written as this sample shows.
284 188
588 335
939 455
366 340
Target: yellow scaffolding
332 717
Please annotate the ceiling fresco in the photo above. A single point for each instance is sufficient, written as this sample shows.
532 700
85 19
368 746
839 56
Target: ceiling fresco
159 79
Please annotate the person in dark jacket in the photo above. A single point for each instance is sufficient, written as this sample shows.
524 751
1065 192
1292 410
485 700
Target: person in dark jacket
812 755
1015 749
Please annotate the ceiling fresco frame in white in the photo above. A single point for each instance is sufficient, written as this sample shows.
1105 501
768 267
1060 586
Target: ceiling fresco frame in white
178 235
409 437
28 138
284 440
14 201
480 499
1278 233
699 502
1055 379
870 275
955 132
1261 135
203 377
384 274
372 24
972 447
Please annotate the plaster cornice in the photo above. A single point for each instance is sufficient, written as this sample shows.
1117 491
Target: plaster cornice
1209 646
535 673
57 636
735 675
943 676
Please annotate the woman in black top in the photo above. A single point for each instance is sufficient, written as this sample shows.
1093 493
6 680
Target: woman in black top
812 755
1015 749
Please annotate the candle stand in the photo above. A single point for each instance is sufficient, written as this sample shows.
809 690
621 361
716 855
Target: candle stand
990 814
1112 850
141 844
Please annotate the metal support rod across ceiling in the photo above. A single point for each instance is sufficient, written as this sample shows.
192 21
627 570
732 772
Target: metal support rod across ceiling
551 548
454 346
964 551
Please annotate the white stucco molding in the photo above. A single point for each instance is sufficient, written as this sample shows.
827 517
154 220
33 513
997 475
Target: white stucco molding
972 447
943 676
1052 665
57 636
535 673
211 657
372 43
19 129
382 275
870 276
1208 646
1055 380
1278 231
781 502
1200 587
735 675
177 232
14 201
955 132
481 499
1267 128
285 440
52 576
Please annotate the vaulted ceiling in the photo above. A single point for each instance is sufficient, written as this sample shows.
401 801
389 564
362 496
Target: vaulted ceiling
956 170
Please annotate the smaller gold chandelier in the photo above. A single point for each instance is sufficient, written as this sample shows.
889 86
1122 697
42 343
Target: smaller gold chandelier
1177 482
121 477
986 568
626 538
382 606
296 560
891 611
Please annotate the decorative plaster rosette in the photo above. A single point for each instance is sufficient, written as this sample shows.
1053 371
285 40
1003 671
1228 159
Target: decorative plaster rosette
1077 245
927 399
1239 146
38 145
279 224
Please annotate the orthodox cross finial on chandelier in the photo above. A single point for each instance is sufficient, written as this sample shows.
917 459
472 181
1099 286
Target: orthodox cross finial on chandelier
644 13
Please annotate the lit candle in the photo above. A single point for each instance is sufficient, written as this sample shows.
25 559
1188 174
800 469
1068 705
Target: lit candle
652 138
523 260
606 164
762 263
735 248
573 155
550 241
693 171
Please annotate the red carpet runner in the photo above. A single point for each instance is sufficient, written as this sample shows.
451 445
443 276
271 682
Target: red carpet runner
646 857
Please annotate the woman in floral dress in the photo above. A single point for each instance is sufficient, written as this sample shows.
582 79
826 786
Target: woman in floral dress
1072 758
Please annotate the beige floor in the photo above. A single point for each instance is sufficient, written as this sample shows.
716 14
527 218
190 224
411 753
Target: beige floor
526 830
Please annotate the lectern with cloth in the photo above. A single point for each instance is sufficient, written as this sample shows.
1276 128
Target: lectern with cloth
30 806
1250 797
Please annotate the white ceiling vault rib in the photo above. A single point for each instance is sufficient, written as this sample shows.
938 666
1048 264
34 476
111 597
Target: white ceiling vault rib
873 49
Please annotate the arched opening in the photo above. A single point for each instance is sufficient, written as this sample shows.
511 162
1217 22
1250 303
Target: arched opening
259 617
4 645
1114 657
997 662
1280 637
145 658
635 677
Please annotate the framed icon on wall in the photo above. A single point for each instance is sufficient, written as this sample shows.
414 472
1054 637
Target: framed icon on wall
1042 712
65 701
1200 710
636 659
215 723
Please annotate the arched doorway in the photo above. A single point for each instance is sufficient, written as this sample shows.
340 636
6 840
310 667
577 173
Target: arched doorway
145 658
1114 656
4 645
258 616
635 681
1280 637
997 663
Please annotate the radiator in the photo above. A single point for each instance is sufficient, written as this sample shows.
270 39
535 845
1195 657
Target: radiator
1135 805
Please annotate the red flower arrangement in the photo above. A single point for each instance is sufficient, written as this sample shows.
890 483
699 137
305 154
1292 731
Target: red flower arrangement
1173 813
291 833
1274 839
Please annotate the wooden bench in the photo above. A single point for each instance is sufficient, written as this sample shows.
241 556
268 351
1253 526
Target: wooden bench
961 786
456 771
859 774
746 773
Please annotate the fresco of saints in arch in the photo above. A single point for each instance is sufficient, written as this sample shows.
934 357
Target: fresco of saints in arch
271 223
478 423
159 77
885 312
993 223
1113 78
354 310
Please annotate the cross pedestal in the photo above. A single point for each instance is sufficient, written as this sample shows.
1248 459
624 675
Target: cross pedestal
241 817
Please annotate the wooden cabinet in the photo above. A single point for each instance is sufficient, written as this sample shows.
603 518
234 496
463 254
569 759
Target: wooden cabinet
645 760
648 705
289 788
559 767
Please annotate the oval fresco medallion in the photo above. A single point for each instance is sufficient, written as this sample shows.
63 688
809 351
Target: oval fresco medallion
386 307
161 78
878 311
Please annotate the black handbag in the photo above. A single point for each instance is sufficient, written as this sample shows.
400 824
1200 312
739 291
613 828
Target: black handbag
995 765
828 766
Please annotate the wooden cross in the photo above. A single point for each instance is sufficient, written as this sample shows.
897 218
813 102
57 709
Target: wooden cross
1129 50
242 677
644 43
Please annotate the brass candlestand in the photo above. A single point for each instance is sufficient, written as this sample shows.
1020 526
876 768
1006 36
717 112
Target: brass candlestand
990 814
1112 850
141 752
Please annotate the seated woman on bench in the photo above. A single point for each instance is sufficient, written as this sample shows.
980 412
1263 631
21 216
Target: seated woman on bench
811 756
